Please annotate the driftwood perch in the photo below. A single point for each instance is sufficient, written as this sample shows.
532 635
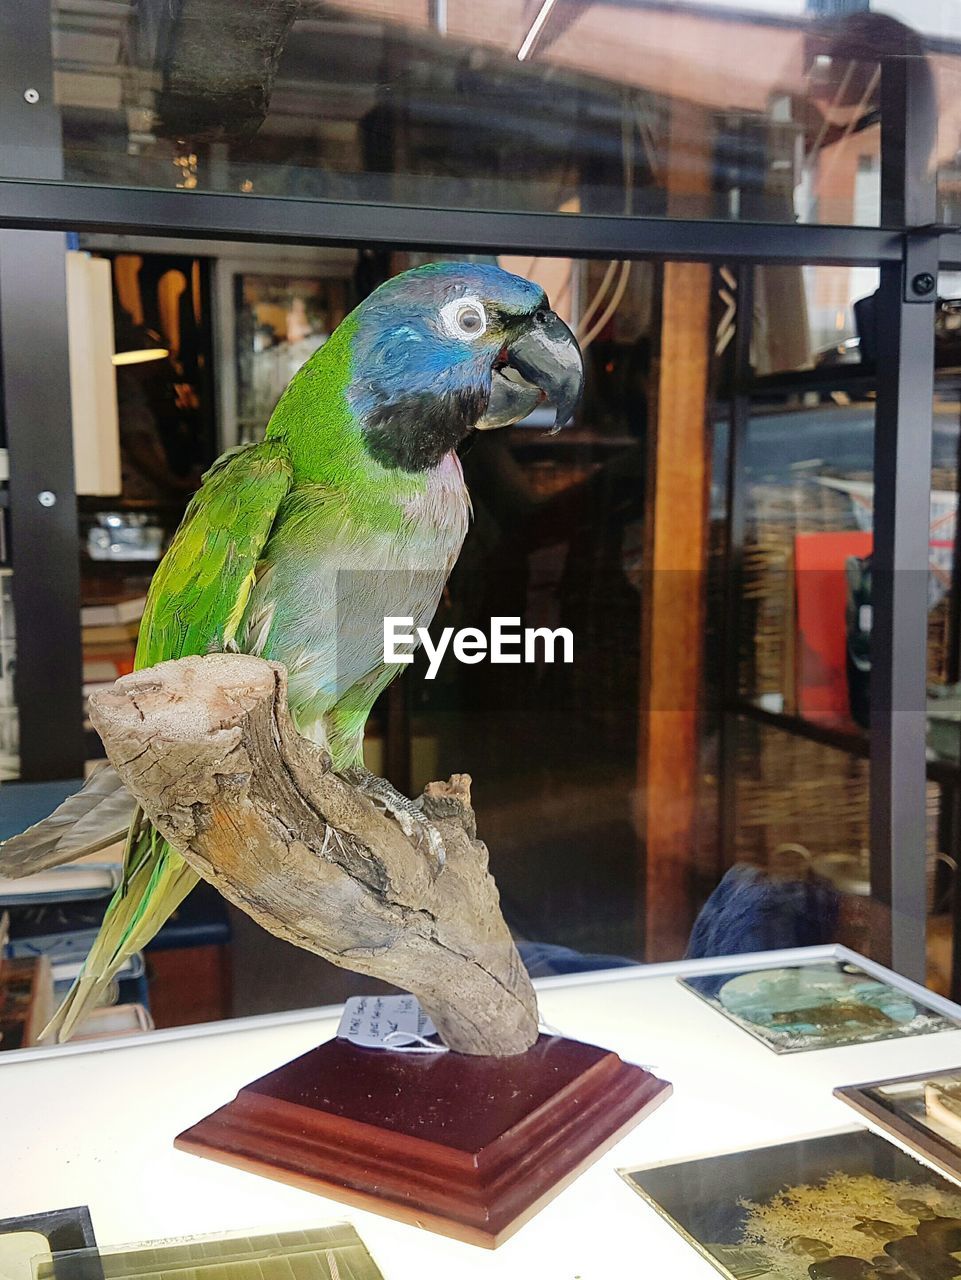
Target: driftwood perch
207 746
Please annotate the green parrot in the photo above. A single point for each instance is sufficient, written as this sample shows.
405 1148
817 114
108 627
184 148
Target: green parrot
353 508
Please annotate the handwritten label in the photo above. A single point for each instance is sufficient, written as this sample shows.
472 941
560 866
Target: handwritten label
385 1022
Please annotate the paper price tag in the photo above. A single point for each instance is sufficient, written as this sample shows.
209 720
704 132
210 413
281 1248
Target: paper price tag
385 1022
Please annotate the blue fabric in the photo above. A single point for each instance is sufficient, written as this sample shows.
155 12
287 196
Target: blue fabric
201 920
134 991
546 959
753 911
748 911
24 803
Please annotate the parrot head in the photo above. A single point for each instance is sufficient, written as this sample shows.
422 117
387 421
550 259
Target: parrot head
454 347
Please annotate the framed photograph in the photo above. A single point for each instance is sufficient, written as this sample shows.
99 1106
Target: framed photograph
820 1004
922 1111
847 1206
30 1241
280 321
323 1253
61 1228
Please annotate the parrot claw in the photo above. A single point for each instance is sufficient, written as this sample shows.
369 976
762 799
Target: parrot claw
435 843
406 814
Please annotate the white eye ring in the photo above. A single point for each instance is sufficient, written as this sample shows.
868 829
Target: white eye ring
464 318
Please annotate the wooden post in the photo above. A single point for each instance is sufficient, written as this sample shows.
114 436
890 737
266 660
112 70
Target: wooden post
672 630
672 610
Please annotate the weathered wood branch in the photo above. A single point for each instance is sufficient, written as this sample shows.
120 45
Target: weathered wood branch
207 746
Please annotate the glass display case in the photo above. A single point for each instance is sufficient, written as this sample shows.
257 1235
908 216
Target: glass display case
725 814
748 248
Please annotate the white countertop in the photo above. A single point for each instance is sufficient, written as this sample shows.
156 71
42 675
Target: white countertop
92 1125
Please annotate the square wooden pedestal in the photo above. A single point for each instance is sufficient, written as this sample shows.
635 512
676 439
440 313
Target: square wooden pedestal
468 1147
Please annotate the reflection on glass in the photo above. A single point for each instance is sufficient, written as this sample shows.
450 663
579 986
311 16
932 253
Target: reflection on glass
615 108
806 479
556 541
804 485
562 790
280 322
944 637
793 690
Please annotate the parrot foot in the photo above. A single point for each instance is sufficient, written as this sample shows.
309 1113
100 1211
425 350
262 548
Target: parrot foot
405 813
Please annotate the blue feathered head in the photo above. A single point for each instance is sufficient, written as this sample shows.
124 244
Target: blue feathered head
451 347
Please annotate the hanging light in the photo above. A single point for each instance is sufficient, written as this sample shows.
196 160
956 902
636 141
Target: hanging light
141 356
137 345
536 28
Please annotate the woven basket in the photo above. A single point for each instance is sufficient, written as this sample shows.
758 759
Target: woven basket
790 790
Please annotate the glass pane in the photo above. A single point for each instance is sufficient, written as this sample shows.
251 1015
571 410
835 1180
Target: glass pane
792 751
613 108
806 479
935 35
804 484
555 541
944 674
600 858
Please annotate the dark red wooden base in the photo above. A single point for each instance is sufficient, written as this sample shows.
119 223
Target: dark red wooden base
469 1147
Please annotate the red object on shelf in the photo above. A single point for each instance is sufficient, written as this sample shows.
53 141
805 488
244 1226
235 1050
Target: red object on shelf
821 685
469 1147
107 665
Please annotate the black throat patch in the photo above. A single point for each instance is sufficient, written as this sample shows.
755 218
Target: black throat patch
414 433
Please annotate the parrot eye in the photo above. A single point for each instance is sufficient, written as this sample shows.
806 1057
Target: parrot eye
470 319
464 318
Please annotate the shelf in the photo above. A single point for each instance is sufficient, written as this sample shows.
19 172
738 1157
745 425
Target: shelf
852 378
90 504
571 438
840 735
132 568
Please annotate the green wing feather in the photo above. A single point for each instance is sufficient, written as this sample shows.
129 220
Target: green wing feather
194 605
199 591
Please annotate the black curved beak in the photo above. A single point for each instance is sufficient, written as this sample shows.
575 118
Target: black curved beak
546 355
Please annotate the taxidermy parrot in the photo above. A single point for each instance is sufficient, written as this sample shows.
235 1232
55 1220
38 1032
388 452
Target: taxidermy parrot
351 509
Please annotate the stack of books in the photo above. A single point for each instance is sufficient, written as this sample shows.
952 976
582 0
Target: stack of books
109 640
26 996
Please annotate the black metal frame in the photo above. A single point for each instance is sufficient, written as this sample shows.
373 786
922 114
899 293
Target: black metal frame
902 479
903 434
207 215
43 504
45 209
734 534
37 417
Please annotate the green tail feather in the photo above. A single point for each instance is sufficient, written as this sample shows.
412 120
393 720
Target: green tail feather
156 881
